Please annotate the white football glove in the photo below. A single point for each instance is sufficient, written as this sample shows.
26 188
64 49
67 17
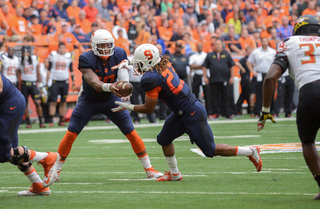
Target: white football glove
124 64
122 106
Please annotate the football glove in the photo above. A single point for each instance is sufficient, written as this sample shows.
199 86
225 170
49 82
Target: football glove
127 98
124 64
122 106
262 120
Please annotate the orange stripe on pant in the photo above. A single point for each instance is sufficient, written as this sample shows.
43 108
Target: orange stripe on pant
136 142
66 143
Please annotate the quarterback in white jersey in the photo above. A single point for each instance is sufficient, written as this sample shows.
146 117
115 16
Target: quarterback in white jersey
10 65
301 54
60 63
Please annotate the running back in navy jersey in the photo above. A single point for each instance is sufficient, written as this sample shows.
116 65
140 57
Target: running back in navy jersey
172 90
88 60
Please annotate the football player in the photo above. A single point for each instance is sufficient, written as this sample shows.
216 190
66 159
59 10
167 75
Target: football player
10 65
12 108
60 63
301 55
31 82
189 116
101 67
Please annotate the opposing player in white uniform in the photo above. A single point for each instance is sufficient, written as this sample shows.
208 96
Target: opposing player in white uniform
31 82
301 54
60 62
10 65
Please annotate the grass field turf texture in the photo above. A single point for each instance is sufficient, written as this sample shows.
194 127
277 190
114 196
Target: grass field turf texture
109 175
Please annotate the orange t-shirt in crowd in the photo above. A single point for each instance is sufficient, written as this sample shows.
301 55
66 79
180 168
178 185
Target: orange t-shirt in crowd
245 42
207 46
124 5
124 44
165 33
25 3
73 12
143 37
19 24
3 19
272 44
36 29
85 25
309 12
195 34
179 21
229 16
69 40
91 13
265 34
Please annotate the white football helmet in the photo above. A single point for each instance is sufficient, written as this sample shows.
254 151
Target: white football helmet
146 56
102 43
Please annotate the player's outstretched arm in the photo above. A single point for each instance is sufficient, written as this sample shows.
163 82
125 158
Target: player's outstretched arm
267 93
147 107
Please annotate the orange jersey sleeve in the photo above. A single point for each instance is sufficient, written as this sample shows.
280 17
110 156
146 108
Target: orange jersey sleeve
154 93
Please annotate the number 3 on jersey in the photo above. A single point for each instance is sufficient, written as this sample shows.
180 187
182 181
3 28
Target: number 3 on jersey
309 53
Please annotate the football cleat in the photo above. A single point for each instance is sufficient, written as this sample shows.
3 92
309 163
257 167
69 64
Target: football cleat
151 173
170 177
42 125
50 164
29 126
36 189
317 197
256 157
51 124
62 124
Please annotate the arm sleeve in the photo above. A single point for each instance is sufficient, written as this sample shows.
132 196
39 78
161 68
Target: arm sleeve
123 74
281 60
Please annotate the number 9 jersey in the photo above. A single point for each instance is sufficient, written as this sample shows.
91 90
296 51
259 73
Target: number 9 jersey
301 54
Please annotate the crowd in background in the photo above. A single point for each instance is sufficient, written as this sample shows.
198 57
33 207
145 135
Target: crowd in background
239 24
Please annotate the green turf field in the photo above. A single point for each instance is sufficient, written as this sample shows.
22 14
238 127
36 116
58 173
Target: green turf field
102 171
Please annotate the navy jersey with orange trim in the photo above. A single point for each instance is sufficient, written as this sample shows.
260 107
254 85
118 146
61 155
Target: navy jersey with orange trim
88 60
8 89
168 87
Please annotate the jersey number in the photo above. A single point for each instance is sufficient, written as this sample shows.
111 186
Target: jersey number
148 54
309 53
28 70
174 89
11 71
61 65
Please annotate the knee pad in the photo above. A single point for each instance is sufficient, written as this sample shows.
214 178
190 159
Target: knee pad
18 159
24 167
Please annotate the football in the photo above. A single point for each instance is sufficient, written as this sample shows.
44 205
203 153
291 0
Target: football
125 88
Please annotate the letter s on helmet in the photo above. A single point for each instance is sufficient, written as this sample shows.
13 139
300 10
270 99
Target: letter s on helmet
102 43
146 56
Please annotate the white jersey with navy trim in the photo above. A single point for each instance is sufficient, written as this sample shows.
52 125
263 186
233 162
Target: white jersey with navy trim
303 54
60 65
29 70
10 67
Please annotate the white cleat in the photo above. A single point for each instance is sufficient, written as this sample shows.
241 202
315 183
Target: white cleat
36 189
151 173
170 177
256 157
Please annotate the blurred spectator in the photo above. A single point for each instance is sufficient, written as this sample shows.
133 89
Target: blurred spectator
251 16
217 19
178 34
204 13
61 8
230 15
209 23
177 8
245 40
235 21
165 32
81 36
91 11
122 42
180 62
72 25
27 13
233 45
73 10
119 25
142 15
221 67
155 40
68 38
251 27
311 10
274 39
81 3
285 30
157 7
34 27
256 37
94 27
165 4
48 27
153 29
189 14
143 35
113 7
176 18
18 25
103 10
84 22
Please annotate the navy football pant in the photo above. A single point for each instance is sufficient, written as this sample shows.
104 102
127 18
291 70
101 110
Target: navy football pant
11 113
193 121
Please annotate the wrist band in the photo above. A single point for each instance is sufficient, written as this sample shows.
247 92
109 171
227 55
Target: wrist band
106 87
266 109
130 107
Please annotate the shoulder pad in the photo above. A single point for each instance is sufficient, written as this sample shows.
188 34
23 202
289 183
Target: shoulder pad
148 83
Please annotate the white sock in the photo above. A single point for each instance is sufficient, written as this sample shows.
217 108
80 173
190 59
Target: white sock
172 162
243 151
60 164
145 161
33 176
39 156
